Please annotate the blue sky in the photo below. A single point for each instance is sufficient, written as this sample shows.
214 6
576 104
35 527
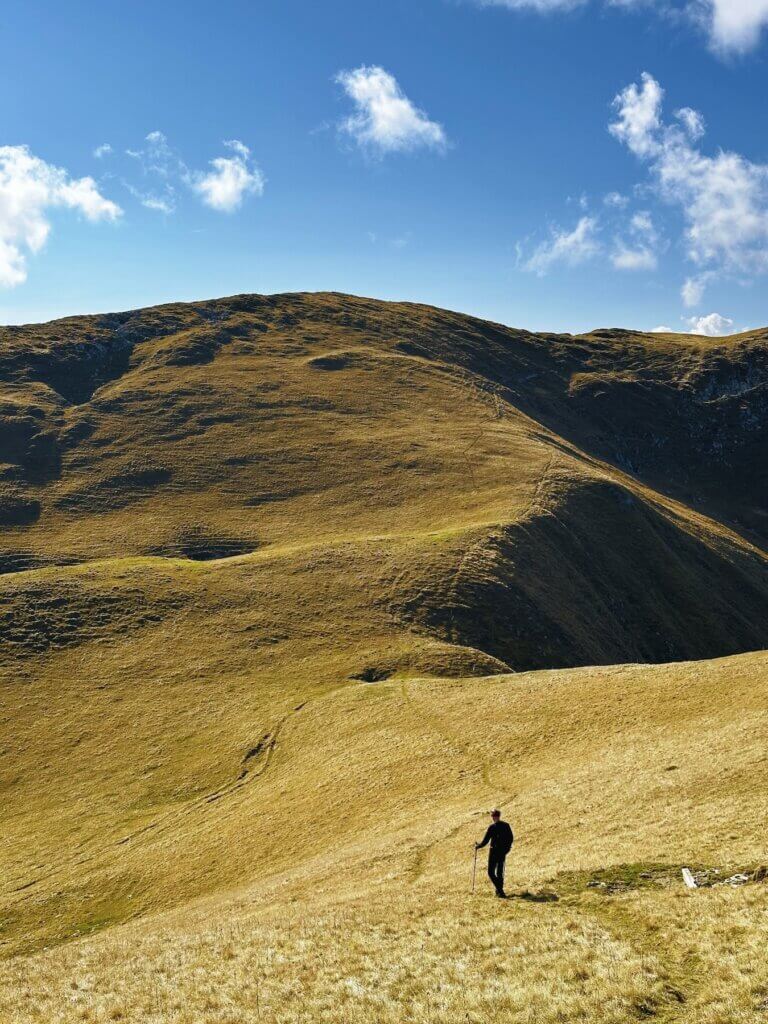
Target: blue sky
551 164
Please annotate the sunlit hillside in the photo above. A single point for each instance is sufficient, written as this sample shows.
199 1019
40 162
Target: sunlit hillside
295 588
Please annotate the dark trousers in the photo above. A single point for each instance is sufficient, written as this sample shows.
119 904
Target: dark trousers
496 860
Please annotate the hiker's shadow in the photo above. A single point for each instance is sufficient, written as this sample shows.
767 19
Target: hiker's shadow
544 896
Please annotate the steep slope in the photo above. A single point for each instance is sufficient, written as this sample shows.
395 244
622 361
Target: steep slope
220 428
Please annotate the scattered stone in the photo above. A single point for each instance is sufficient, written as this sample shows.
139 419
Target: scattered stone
707 877
689 879
736 880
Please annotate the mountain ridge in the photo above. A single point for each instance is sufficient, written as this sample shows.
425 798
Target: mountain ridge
290 551
212 429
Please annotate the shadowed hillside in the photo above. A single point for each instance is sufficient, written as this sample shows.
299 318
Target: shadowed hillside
528 487
311 561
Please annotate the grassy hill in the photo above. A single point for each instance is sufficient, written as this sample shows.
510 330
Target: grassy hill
295 587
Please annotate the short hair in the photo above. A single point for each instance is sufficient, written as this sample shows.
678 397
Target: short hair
496 813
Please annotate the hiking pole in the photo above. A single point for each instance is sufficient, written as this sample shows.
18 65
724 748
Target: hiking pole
474 871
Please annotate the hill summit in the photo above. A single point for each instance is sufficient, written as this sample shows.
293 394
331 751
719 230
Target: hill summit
542 500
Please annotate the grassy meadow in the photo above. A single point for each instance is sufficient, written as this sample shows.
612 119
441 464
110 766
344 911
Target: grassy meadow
632 773
297 588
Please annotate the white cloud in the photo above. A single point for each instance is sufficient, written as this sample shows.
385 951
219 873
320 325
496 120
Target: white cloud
223 187
640 252
568 247
616 200
385 120
711 326
13 269
642 224
662 330
692 121
238 147
639 109
735 25
692 291
103 150
232 178
158 160
535 5
156 203
725 202
29 189
642 258
165 203
723 198
156 157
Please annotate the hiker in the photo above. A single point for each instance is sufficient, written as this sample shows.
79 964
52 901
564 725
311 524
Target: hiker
499 835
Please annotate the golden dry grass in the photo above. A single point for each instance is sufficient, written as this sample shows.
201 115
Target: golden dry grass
373 920
287 557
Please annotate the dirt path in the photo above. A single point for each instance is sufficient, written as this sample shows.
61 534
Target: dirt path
500 793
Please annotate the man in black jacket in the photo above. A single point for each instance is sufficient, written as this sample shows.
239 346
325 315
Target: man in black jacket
499 835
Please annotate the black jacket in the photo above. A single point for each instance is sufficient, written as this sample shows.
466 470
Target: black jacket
499 835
